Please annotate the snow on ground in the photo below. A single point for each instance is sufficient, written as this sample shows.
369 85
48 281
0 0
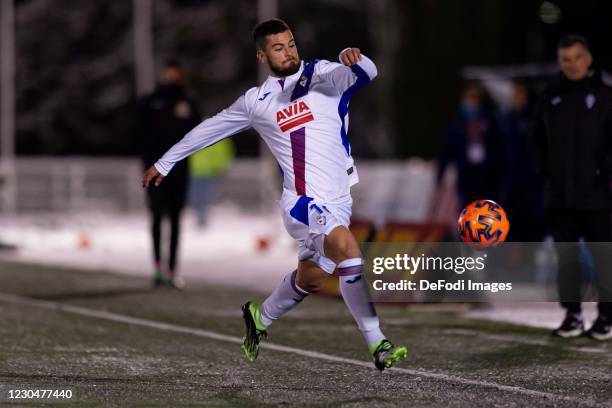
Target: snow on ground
225 252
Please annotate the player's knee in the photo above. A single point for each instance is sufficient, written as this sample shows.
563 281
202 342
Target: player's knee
340 245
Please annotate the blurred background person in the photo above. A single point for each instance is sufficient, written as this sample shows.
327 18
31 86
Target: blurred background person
471 144
521 188
205 167
572 147
163 118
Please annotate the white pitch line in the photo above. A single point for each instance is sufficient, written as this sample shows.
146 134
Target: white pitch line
82 311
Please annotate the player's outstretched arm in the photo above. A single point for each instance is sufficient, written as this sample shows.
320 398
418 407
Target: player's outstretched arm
229 121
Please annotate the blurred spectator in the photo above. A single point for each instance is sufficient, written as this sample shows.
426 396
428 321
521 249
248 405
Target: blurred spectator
472 145
521 188
205 167
163 118
572 147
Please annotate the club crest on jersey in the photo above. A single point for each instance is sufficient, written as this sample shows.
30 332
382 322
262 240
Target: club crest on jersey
293 115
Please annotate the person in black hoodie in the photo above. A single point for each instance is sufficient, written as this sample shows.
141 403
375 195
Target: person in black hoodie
571 140
163 118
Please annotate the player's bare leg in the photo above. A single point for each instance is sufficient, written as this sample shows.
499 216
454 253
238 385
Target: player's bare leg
342 248
311 277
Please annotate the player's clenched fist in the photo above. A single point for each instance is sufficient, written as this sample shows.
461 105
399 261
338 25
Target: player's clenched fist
350 56
151 174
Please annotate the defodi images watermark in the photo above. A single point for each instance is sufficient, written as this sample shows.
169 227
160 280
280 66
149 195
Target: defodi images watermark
452 272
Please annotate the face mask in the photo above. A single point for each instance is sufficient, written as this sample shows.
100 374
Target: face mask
469 111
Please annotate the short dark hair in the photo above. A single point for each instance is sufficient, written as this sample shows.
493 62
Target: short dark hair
572 39
268 27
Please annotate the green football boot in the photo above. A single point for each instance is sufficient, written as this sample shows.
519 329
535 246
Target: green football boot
158 279
255 330
386 354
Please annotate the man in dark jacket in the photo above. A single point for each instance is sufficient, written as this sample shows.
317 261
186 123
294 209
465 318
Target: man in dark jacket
164 117
572 146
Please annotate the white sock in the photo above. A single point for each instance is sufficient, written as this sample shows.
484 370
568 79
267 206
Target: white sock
354 289
286 295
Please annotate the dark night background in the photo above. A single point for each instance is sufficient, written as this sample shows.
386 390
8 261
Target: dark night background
75 83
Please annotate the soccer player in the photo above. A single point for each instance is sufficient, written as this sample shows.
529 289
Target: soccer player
301 112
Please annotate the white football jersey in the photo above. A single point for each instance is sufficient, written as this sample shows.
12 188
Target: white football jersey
303 119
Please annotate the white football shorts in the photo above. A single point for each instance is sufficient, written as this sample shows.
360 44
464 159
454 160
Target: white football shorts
308 220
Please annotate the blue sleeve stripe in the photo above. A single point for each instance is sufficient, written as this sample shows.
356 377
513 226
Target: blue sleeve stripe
362 80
